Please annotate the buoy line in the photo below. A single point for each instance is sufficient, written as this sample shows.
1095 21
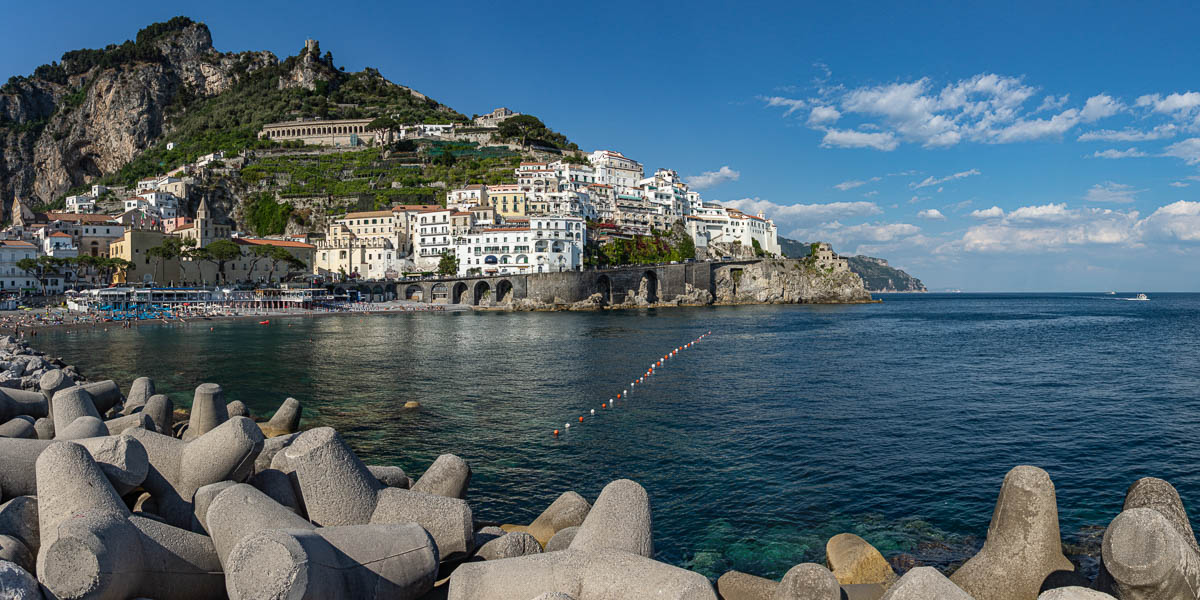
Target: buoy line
641 380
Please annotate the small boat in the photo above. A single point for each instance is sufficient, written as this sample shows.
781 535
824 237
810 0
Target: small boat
1112 293
1141 297
267 322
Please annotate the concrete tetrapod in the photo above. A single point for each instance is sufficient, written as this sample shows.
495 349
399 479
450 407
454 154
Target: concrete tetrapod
45 428
584 575
1157 494
338 489
83 427
854 561
52 381
736 585
619 520
1147 557
178 469
239 510
122 460
925 583
105 394
208 411
285 420
380 561
139 419
16 583
1023 547
19 520
20 426
808 581
139 393
448 476
15 551
237 408
562 539
159 409
568 510
509 545
1074 593
91 547
70 404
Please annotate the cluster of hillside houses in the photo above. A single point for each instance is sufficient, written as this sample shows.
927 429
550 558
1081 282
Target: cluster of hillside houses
538 224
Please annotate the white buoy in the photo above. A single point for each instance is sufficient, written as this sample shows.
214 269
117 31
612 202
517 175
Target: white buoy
626 392
593 411
567 426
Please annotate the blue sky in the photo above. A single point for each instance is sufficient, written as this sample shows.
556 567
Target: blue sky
1021 146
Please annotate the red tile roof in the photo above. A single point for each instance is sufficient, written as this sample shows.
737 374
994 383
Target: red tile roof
263 242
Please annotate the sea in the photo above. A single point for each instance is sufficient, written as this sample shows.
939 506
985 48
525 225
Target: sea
786 425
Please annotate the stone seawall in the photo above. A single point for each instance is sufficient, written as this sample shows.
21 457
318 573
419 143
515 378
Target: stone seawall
758 281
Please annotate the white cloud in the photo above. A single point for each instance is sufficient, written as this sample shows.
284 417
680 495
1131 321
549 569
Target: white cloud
1178 104
931 180
1044 212
1114 153
1053 103
1051 227
794 214
822 115
792 104
1128 135
846 138
844 235
1099 107
1027 130
994 212
1112 192
932 214
711 178
1179 221
853 183
1188 150
1179 184
870 193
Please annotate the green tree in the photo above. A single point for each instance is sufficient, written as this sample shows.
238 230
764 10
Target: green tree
522 127
218 253
448 265
258 254
171 248
293 264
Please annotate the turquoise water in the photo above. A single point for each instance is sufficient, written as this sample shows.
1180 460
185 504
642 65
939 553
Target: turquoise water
788 425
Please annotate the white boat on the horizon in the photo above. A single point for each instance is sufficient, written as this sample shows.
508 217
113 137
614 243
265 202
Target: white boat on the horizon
1141 297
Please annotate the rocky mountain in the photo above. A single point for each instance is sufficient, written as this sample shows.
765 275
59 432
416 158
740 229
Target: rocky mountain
876 273
879 276
109 112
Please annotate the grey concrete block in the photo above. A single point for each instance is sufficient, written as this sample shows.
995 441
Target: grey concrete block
448 520
568 510
285 420
271 447
122 461
619 520
70 404
139 393
54 380
279 487
19 519
119 424
240 510
807 581
364 561
202 500
735 585
1148 558
17 584
390 476
1155 493
509 545
592 575
562 539
160 409
178 469
237 408
15 551
1023 546
925 583
20 426
83 427
44 427
105 394
208 411
448 476
1074 593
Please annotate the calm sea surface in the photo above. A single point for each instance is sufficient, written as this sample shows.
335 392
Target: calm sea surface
789 424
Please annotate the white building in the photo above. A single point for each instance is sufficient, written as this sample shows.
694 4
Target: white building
57 244
432 238
162 205
465 198
81 203
617 170
12 277
715 224
547 245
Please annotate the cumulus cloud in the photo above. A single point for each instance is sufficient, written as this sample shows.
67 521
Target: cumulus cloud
1175 103
848 138
1179 221
1099 107
712 178
791 104
994 212
822 115
846 235
1053 103
1188 150
1114 153
931 180
1112 192
932 214
1051 227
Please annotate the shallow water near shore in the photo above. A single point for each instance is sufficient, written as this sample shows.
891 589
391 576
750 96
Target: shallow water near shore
788 425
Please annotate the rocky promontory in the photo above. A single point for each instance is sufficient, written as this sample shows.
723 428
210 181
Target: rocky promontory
786 281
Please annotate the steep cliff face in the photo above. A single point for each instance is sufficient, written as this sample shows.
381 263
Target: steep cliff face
57 135
786 282
879 276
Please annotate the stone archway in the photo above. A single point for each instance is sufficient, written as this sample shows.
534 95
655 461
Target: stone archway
483 291
414 293
648 289
439 294
504 291
458 293
604 288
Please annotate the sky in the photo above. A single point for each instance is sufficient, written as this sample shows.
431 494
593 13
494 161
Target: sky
980 146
